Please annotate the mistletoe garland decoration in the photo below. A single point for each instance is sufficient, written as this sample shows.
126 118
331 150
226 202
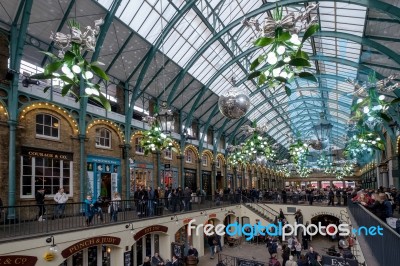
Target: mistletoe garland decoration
74 67
363 142
283 49
154 140
298 151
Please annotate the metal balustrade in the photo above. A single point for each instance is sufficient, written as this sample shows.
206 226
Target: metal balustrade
17 222
385 249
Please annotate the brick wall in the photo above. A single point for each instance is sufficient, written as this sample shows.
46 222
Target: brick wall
68 142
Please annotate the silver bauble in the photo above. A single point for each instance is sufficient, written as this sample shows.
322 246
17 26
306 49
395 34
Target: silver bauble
234 103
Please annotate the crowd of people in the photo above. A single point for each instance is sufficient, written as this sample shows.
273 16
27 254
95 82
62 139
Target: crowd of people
192 258
382 202
297 249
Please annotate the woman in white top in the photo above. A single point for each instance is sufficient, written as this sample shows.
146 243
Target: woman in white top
114 206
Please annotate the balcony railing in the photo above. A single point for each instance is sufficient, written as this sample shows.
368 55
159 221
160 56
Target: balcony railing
17 222
385 249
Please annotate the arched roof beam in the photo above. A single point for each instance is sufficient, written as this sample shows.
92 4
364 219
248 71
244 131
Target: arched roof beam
379 5
150 55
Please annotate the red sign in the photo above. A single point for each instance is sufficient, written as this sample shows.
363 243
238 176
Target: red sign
212 215
150 229
13 260
90 242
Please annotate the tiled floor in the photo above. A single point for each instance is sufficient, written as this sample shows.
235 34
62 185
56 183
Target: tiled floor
260 253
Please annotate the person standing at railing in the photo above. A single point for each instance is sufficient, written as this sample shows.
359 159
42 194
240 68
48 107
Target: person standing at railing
89 209
114 206
40 196
60 198
331 197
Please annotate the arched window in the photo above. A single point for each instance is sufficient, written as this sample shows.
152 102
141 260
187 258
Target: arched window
103 138
189 156
168 154
47 126
138 148
204 160
218 163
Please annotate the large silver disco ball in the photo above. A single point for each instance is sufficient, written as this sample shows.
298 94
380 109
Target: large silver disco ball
234 103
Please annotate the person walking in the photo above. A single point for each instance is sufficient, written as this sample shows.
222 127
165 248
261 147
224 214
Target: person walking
114 206
40 196
61 199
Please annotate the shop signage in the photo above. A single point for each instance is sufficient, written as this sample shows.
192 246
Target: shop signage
42 153
90 242
104 160
149 230
337 261
18 260
127 258
142 165
212 215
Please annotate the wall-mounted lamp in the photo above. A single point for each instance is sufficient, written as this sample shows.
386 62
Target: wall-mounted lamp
27 81
223 209
53 246
204 213
130 225
108 250
175 217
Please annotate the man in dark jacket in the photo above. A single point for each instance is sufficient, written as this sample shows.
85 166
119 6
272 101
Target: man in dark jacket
312 256
285 254
40 196
339 196
331 197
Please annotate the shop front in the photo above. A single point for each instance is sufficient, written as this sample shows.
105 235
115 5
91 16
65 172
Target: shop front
169 177
103 176
142 174
92 251
148 242
190 179
206 179
48 169
229 179
220 180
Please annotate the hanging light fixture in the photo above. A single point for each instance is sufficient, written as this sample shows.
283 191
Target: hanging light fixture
165 118
323 129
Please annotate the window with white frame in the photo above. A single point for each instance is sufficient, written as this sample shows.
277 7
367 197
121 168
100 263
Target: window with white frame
204 160
47 173
47 126
103 138
138 148
189 156
168 154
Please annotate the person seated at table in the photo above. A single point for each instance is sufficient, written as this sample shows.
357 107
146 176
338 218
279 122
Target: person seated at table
156 260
